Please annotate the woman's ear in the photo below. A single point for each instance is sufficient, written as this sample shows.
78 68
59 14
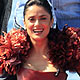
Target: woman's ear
52 21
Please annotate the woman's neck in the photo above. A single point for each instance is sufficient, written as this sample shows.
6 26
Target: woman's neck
40 46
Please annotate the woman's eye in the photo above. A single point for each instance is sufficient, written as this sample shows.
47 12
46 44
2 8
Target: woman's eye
43 18
31 19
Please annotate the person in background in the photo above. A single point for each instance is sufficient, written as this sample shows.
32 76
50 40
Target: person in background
67 12
39 52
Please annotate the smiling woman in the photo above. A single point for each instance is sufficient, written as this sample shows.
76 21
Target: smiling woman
40 52
37 22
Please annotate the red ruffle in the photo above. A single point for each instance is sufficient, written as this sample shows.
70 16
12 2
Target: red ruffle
13 47
64 49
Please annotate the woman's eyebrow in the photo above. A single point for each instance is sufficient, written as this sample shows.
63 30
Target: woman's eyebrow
35 16
31 16
43 16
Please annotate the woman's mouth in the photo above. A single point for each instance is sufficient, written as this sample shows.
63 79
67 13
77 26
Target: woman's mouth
38 31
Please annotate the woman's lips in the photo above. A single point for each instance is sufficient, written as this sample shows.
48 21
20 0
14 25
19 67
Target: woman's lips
38 30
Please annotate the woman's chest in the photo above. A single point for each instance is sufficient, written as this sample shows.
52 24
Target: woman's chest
28 74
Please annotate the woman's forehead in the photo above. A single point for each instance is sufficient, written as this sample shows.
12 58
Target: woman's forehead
36 10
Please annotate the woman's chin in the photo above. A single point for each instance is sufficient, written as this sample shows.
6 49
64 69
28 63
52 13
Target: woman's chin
38 38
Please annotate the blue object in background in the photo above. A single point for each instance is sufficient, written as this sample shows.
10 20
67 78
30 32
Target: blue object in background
16 13
72 76
67 12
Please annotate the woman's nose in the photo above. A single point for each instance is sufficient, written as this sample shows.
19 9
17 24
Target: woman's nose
37 22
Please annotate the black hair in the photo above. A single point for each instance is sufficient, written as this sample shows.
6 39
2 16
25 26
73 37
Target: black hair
43 3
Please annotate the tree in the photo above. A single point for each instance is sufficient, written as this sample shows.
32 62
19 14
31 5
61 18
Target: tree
5 11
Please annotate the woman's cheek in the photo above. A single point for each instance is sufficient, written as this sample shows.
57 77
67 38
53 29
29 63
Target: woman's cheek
29 30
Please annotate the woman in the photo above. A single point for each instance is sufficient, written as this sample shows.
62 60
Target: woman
47 58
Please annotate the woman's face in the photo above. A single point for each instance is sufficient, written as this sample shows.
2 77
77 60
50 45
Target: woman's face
37 22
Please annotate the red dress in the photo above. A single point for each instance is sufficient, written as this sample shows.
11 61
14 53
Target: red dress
29 74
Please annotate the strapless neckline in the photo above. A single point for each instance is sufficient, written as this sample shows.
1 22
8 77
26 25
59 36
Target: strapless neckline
29 74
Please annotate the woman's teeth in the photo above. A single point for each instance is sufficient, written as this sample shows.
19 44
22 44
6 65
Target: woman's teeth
37 31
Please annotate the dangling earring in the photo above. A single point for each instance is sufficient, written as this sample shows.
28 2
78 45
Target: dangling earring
51 27
52 22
